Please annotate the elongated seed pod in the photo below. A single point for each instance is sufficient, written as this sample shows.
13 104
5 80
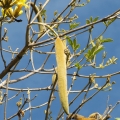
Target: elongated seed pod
79 117
61 72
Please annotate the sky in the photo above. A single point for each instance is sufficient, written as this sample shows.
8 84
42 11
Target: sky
16 34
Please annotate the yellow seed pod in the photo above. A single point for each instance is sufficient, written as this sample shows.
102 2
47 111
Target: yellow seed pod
53 78
96 115
61 72
80 117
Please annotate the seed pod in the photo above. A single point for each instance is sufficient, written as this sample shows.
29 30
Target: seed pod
61 72
96 115
54 76
79 117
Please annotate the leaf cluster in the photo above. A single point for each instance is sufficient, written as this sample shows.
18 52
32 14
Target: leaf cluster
73 43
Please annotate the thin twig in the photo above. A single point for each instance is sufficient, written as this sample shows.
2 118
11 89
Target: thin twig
6 96
50 97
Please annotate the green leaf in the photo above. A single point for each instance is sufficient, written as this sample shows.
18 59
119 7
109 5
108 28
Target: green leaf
91 19
92 43
106 40
110 21
90 54
87 21
77 47
74 42
78 66
93 49
107 23
43 13
87 57
73 25
70 42
100 48
95 19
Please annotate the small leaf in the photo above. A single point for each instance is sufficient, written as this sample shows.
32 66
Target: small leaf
77 47
74 42
95 19
43 13
73 25
78 66
87 21
69 40
100 48
91 19
87 57
105 23
93 49
110 21
92 42
106 40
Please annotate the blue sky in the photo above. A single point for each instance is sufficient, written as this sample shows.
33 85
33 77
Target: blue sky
16 33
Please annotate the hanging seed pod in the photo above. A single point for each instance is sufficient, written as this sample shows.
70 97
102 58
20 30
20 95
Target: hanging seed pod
61 71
